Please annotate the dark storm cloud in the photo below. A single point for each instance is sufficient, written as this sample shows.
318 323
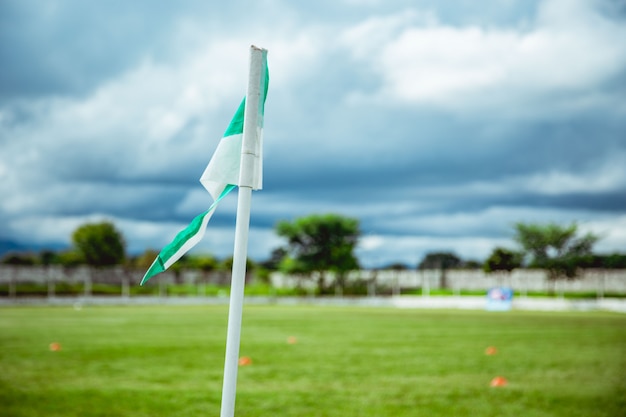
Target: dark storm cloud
436 125
69 47
436 149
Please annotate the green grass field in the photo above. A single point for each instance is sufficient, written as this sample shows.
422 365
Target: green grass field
168 361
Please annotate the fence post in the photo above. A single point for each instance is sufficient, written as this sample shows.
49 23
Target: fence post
13 283
396 283
162 290
50 278
425 284
125 286
371 284
87 282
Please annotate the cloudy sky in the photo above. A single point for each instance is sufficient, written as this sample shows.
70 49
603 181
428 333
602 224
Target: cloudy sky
437 124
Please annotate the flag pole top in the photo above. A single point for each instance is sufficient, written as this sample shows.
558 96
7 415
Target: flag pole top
251 164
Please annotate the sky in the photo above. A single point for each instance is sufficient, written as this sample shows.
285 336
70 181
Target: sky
438 125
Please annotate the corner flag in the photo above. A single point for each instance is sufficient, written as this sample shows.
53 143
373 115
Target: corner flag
220 177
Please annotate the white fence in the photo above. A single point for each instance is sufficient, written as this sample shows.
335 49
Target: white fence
522 280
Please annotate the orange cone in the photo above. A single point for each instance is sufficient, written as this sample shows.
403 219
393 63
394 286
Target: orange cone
498 381
292 340
244 361
491 350
55 347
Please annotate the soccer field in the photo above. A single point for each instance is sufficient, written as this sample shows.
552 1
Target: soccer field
310 361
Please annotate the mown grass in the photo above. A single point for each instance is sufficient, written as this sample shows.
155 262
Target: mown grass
168 361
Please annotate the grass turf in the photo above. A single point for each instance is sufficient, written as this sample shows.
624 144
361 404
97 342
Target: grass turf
168 361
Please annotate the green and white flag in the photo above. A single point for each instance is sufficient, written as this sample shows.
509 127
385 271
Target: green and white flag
220 177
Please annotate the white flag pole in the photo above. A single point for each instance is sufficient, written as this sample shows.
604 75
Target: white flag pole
248 179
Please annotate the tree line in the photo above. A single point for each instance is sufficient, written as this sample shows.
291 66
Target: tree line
318 244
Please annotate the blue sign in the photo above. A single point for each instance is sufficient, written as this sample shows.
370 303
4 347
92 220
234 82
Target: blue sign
499 299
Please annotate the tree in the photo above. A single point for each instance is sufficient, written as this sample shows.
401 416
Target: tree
144 260
614 261
321 243
471 264
441 261
275 259
21 259
70 258
204 263
502 259
99 244
226 265
292 266
48 257
555 248
610 261
396 266
273 263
